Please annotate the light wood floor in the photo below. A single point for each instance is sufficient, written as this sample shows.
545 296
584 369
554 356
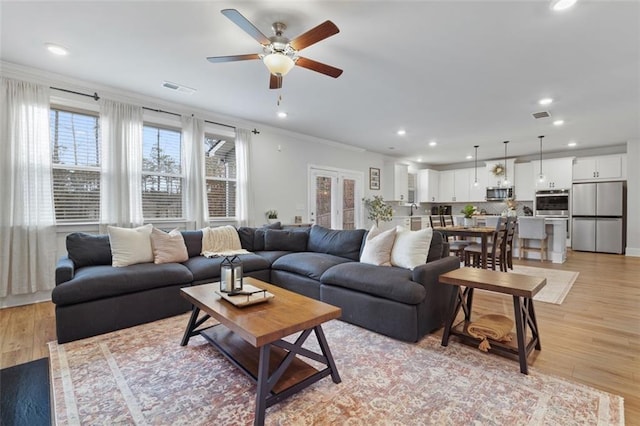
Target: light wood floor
592 338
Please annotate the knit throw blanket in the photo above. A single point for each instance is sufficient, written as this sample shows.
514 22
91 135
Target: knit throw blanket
492 326
221 241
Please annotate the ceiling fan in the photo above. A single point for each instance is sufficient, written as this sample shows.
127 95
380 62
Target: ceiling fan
280 53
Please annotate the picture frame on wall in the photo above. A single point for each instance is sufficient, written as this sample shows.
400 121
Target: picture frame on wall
374 178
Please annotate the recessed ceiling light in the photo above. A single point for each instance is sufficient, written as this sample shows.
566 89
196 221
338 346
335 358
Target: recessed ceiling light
419 159
56 49
401 132
558 122
545 101
469 157
433 143
282 114
558 5
572 144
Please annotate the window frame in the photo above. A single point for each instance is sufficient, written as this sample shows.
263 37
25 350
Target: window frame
183 201
226 180
59 106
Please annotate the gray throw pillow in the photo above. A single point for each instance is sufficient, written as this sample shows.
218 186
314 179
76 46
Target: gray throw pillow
88 249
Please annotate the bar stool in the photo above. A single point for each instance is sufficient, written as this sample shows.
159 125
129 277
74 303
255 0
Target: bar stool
532 228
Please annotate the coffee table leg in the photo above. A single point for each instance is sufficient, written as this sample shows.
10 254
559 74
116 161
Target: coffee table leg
520 332
263 385
324 346
457 300
191 325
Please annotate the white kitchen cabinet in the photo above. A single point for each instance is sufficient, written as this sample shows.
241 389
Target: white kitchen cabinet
454 186
523 184
401 182
604 167
477 193
558 173
428 181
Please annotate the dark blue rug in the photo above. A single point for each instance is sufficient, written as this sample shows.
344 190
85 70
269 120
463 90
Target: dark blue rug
24 394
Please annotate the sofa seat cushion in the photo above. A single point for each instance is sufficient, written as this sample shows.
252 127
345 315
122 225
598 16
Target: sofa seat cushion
273 255
382 281
98 282
204 268
308 264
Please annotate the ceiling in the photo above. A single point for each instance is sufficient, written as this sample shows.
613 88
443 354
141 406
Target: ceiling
455 72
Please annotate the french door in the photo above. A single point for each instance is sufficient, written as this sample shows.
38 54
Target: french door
334 198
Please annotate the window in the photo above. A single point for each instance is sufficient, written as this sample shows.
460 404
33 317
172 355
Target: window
161 173
220 171
75 150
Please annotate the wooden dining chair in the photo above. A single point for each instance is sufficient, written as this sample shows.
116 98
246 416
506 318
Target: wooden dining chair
496 251
435 220
456 245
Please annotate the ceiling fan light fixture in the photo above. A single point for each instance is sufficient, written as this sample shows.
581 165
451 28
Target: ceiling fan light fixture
559 5
278 63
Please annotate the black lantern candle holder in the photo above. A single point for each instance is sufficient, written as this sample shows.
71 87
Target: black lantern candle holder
231 275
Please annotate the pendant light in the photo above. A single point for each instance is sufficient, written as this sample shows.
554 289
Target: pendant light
475 182
541 176
506 178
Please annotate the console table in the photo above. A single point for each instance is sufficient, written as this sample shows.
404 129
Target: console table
521 287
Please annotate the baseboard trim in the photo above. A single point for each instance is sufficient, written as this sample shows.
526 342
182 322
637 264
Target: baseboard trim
632 251
25 299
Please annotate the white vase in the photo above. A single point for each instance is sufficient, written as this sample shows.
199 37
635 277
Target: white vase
468 222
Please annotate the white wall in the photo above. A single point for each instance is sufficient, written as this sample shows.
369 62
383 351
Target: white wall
279 168
633 198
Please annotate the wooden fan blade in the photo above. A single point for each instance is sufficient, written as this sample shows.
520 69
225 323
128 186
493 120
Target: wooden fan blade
238 19
314 35
233 58
318 67
275 81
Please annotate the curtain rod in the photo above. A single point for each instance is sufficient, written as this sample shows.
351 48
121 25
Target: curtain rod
96 97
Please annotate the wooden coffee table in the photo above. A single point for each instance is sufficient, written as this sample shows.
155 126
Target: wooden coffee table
521 287
251 338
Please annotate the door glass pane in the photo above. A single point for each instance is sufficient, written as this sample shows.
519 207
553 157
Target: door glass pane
323 201
348 204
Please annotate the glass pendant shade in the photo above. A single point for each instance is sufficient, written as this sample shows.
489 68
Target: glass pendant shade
278 63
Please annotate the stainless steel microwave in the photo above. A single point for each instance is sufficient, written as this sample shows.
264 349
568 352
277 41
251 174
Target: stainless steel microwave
499 193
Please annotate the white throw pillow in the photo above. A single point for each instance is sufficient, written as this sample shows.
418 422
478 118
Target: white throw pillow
168 247
377 247
130 245
411 248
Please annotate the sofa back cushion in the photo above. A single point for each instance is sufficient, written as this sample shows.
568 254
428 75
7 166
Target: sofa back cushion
344 243
193 241
247 236
88 250
285 240
437 248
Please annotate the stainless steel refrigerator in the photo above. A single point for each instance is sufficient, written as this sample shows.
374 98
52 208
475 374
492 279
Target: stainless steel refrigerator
598 217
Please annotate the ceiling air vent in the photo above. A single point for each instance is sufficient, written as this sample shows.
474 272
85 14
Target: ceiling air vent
178 87
541 114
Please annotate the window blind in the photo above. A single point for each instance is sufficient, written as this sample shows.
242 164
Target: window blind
75 151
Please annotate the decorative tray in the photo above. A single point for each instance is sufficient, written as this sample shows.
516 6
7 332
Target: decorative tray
250 295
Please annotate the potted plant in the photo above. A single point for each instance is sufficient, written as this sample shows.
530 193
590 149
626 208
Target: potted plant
378 209
468 211
272 216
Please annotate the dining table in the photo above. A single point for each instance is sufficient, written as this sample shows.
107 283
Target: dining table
482 232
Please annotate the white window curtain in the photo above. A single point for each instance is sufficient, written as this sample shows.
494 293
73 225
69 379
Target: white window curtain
121 177
195 191
244 198
27 218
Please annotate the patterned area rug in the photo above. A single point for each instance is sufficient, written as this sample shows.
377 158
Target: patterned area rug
559 283
142 375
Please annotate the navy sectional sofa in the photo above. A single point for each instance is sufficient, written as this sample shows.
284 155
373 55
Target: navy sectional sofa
92 297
